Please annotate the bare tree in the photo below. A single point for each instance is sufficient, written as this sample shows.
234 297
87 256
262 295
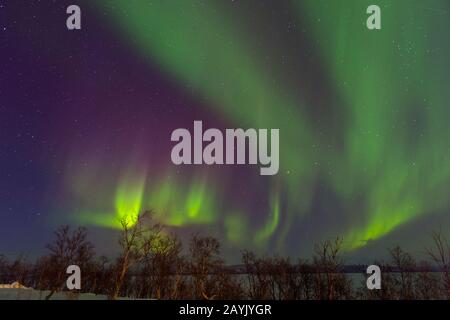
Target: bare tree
306 280
136 242
205 261
67 249
330 282
274 278
404 265
440 254
426 283
3 268
257 275
161 271
286 278
20 270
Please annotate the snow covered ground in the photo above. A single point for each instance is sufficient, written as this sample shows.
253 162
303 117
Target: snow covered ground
16 291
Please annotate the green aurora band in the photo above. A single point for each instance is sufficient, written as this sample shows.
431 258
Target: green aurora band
397 144
387 161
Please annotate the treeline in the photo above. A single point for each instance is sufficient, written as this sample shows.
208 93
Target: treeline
152 264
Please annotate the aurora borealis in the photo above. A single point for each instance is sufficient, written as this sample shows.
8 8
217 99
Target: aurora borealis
86 118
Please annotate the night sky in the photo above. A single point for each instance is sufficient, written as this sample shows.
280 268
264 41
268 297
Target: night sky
86 118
